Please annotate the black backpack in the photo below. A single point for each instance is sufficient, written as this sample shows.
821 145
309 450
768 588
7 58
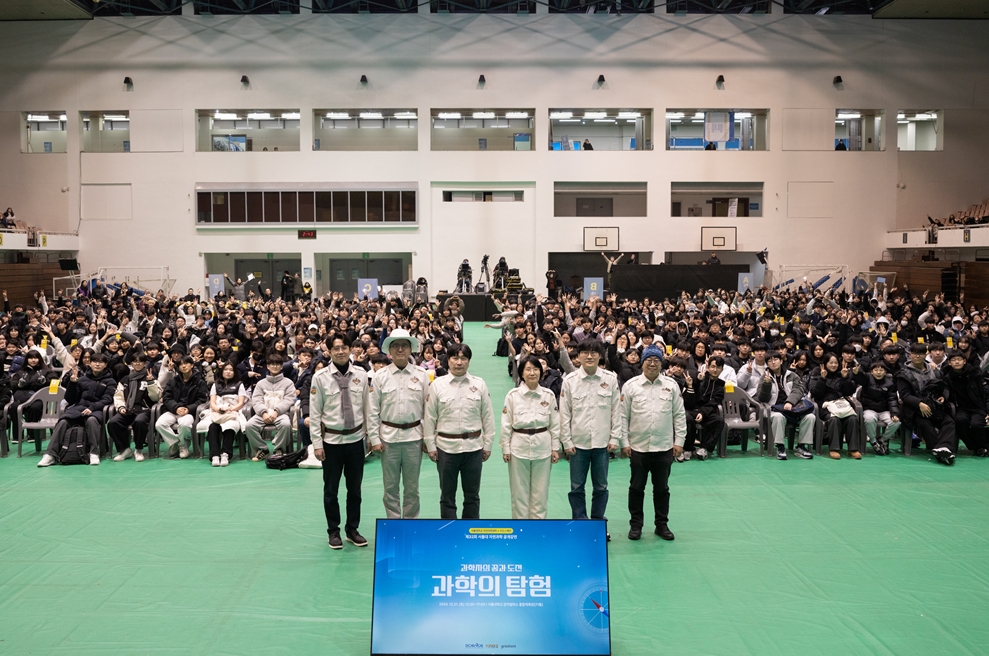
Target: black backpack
287 460
73 447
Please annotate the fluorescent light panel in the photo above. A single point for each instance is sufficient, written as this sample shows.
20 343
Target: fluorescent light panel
561 115
371 115
449 115
516 114
483 115
405 115
594 115
258 116
338 116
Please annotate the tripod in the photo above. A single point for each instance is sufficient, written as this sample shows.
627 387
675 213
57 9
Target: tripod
485 273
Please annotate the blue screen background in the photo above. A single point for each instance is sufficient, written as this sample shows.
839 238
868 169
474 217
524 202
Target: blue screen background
409 619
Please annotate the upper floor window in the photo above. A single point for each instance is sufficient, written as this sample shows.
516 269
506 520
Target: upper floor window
717 129
920 129
600 129
482 129
43 132
247 130
365 129
106 132
860 129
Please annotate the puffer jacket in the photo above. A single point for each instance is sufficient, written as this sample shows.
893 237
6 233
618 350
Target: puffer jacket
90 392
180 393
878 395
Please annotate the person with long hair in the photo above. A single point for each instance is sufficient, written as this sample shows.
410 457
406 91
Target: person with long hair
227 398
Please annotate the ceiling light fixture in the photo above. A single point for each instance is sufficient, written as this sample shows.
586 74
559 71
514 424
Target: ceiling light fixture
225 116
338 116
258 116
516 114
449 115
629 114
595 114
405 115
291 115
561 115
371 115
483 115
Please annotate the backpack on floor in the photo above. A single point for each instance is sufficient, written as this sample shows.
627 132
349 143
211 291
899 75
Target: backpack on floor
286 460
73 447
501 351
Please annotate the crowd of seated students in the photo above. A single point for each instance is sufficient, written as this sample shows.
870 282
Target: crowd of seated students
802 352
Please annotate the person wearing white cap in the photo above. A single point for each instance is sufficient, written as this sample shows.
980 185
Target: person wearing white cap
396 405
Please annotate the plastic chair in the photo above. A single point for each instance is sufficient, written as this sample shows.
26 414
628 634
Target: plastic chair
293 416
819 425
50 413
731 411
199 437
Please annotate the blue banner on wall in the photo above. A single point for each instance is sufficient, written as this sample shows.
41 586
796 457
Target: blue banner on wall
593 287
487 587
367 288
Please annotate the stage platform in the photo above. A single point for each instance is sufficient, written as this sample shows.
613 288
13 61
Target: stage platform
878 556
480 307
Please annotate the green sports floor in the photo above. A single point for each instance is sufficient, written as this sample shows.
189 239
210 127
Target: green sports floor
881 556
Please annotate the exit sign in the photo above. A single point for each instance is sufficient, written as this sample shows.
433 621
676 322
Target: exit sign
365 256
307 234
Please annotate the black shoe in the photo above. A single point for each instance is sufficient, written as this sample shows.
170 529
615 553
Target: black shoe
664 532
607 537
880 448
335 542
780 452
261 455
356 539
944 456
635 534
804 452
981 453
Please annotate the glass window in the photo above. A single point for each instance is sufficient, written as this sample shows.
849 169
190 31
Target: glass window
324 206
255 207
860 129
600 199
272 207
204 207
717 129
247 130
375 206
307 209
600 129
408 206
290 207
393 206
365 129
238 207
105 132
221 207
482 129
341 206
919 129
45 132
726 199
358 206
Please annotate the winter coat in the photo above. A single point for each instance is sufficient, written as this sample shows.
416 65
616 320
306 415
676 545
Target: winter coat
878 395
180 393
90 392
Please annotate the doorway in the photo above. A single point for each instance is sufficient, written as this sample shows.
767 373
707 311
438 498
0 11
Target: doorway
344 273
595 207
270 273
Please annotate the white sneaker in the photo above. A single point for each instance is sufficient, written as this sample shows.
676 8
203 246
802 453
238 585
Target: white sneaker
701 453
124 455
215 461
183 452
138 455
94 459
46 460
224 460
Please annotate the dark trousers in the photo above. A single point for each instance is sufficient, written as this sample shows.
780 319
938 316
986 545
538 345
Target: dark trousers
467 468
92 425
220 441
836 428
596 460
971 428
304 438
706 433
120 424
658 464
346 460
937 435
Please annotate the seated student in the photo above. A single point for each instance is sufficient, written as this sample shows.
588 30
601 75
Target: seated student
782 390
136 393
751 375
182 396
272 400
32 375
880 406
830 387
87 395
227 398
922 394
701 401
967 393
253 368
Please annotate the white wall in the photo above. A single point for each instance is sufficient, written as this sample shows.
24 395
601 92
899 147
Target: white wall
543 61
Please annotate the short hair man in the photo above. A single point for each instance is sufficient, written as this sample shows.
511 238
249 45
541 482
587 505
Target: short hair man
88 396
921 390
272 400
459 430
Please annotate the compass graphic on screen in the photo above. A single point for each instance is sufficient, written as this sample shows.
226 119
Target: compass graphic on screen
594 608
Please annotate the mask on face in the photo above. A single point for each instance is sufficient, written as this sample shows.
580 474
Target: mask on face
858 348
904 322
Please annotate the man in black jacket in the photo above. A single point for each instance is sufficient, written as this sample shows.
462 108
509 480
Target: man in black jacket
922 393
88 396
135 396
967 393
701 402
183 395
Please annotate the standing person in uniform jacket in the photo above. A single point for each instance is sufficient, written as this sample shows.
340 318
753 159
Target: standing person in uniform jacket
967 393
396 407
337 424
88 396
136 393
704 423
530 441
458 433
922 395
654 428
880 406
590 420
183 394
